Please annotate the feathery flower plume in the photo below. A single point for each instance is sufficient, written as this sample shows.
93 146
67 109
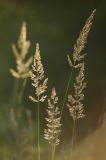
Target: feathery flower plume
75 104
81 41
78 56
22 68
37 77
53 121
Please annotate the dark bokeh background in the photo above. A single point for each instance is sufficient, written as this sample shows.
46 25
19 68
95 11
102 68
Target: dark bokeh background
56 25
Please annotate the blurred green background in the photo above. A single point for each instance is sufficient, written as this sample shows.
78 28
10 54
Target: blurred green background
55 25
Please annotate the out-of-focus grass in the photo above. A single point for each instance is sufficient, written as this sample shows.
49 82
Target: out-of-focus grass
92 147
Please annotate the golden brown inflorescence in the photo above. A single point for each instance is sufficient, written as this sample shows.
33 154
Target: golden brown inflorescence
37 77
23 65
53 120
75 104
81 41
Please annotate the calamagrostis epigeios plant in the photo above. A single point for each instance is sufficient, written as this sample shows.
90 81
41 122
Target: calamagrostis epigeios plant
22 69
39 82
77 53
53 123
75 103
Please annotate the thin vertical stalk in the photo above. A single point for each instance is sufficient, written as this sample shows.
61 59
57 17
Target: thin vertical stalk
53 144
74 130
52 156
38 129
53 152
73 138
66 92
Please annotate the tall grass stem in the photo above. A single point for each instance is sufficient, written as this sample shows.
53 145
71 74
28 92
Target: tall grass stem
66 92
38 129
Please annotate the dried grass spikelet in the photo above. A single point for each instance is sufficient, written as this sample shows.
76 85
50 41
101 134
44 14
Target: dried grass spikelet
22 68
81 41
53 120
37 77
75 104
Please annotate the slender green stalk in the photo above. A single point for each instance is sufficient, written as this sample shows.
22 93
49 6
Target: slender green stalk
66 92
73 138
53 152
38 129
53 145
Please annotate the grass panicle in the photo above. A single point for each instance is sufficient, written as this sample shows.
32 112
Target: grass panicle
53 123
75 103
37 77
23 65
77 53
81 41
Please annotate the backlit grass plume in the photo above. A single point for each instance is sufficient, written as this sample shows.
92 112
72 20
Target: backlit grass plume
75 103
22 68
53 123
77 53
39 82
81 41
37 77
